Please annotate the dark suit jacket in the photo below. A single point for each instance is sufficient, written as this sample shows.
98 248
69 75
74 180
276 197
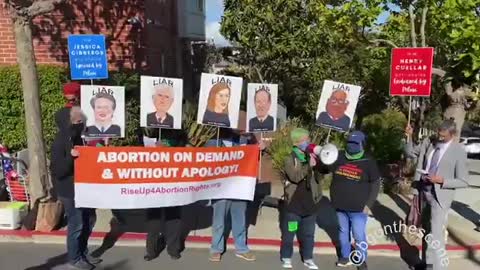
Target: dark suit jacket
342 123
112 131
152 121
266 125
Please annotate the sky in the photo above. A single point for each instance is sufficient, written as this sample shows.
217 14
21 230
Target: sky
214 12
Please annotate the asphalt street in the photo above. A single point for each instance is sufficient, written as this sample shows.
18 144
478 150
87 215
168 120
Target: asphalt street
19 256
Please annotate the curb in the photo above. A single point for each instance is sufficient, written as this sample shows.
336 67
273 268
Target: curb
138 239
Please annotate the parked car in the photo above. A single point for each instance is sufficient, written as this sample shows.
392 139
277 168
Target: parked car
472 146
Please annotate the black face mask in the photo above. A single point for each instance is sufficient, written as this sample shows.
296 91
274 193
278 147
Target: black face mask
77 129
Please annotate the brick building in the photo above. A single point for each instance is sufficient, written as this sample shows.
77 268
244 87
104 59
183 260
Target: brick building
153 37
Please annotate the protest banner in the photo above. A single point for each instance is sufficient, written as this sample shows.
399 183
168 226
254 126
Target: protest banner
411 72
262 100
104 107
144 177
88 57
161 102
337 105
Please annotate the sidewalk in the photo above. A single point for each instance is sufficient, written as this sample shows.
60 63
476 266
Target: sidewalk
264 231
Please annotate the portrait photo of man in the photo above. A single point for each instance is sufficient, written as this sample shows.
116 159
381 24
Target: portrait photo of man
263 102
163 97
334 115
103 105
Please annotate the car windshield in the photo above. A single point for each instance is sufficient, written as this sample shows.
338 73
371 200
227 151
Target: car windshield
474 140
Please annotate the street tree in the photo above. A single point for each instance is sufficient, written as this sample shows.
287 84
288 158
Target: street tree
22 13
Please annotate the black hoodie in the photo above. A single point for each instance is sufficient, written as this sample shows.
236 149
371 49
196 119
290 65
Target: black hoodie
61 162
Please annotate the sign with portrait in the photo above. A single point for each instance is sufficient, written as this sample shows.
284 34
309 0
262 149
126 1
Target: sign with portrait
337 105
411 72
262 100
219 101
161 102
104 107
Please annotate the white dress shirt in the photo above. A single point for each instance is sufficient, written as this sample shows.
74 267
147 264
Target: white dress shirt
443 148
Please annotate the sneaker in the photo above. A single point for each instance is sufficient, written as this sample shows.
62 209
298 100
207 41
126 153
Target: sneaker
93 260
246 256
343 262
310 264
362 266
287 263
215 257
80 265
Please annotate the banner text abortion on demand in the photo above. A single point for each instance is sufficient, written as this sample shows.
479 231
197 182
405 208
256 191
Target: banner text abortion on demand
143 156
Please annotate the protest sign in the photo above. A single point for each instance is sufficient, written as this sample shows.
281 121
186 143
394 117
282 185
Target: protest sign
144 177
104 107
262 107
219 100
337 105
161 102
88 57
411 72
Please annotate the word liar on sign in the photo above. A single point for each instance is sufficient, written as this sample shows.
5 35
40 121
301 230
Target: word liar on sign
411 72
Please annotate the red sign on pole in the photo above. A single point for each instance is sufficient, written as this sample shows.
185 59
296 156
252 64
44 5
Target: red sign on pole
411 72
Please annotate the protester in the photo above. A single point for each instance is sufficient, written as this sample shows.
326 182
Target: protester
166 219
71 93
237 209
354 190
441 169
80 221
303 193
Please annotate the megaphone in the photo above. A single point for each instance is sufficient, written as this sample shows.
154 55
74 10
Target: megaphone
328 154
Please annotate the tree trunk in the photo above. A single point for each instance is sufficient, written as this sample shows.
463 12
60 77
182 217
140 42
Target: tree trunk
39 181
458 113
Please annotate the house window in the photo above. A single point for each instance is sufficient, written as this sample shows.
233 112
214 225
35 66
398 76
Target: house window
201 4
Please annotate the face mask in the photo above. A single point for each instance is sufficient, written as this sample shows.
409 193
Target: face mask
77 129
303 146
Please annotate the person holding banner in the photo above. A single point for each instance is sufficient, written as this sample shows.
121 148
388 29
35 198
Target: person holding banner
80 221
237 209
167 218
303 193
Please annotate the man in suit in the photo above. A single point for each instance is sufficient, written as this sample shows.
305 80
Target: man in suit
263 121
163 97
441 169
334 116
104 106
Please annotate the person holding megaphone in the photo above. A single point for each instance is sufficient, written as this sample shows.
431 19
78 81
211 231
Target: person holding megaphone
302 195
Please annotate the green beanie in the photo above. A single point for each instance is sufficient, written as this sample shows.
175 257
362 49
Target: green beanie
297 134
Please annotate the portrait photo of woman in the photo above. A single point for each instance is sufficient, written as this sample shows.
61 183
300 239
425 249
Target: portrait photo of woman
217 112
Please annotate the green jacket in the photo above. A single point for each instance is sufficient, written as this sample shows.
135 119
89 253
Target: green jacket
295 173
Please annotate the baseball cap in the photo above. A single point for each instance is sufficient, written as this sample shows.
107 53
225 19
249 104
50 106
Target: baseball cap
355 142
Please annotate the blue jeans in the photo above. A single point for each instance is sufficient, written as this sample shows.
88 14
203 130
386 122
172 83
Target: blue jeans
80 222
356 222
238 211
305 235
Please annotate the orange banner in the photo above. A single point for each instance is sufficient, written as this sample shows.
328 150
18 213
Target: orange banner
140 165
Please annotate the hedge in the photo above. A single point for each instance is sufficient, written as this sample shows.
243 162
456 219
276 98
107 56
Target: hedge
51 79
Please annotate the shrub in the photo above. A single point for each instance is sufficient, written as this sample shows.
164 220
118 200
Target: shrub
385 133
12 113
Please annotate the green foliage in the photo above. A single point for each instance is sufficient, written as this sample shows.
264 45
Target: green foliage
198 134
12 115
385 132
299 44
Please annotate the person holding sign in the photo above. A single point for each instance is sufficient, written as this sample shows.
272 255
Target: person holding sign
263 101
80 221
303 193
163 96
103 105
217 105
335 116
